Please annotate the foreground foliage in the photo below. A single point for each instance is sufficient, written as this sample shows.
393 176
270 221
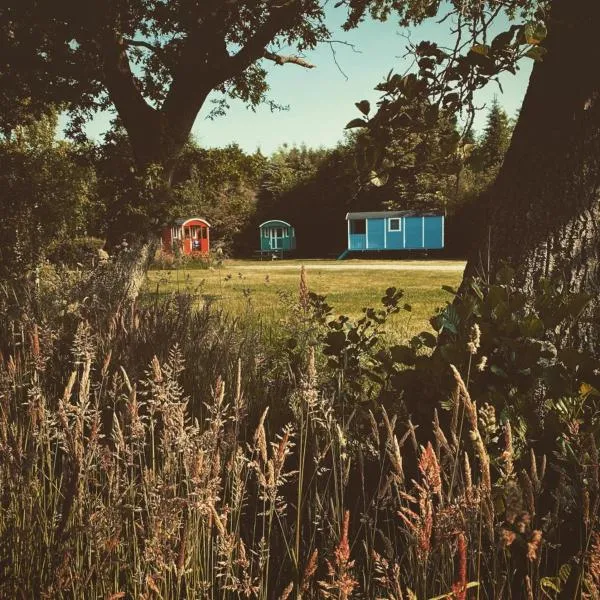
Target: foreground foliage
162 451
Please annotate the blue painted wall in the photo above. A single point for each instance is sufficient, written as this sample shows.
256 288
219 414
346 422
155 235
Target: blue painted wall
413 229
434 232
394 239
358 241
416 233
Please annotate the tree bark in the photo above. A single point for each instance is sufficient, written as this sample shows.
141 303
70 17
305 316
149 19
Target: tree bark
544 208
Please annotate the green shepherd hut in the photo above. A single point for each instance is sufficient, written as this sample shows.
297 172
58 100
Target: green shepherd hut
277 236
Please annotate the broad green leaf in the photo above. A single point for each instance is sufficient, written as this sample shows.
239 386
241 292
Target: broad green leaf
550 584
364 107
335 341
482 49
475 287
585 390
378 180
403 355
505 38
428 339
356 123
564 572
537 53
531 326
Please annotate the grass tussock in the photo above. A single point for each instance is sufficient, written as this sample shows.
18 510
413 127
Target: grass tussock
176 453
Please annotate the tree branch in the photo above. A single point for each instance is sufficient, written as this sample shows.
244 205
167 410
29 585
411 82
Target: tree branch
282 60
142 44
205 64
137 115
280 18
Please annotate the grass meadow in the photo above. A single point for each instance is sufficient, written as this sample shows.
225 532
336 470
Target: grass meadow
264 289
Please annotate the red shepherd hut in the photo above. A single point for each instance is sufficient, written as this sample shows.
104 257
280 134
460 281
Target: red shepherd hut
189 235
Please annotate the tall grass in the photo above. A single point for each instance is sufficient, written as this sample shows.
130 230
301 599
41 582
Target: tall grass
177 453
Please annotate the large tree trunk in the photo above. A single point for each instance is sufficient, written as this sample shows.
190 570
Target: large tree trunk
544 212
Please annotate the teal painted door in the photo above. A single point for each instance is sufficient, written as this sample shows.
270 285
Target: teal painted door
375 234
276 238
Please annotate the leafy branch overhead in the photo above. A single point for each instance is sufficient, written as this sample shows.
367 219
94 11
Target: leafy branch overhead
442 81
154 62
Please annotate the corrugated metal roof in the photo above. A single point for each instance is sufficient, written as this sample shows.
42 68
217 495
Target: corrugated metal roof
387 214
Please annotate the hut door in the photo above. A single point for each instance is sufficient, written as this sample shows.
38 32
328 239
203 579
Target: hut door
276 235
204 239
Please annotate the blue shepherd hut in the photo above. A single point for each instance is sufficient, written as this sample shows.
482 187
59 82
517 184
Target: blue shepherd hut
277 235
395 230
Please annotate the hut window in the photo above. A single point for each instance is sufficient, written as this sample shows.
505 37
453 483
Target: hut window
358 226
394 224
204 233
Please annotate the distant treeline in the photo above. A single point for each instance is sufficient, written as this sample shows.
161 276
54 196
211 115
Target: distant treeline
54 190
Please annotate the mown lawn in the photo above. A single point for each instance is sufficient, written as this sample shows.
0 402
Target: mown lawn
264 289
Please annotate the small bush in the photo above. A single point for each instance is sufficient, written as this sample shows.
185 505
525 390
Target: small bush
167 260
75 252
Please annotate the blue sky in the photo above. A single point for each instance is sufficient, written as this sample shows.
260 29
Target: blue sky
321 100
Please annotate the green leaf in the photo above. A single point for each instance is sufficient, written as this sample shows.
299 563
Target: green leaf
451 97
537 53
550 583
403 355
482 49
535 33
475 287
505 38
356 123
378 180
450 319
564 572
364 106
335 341
428 339
531 326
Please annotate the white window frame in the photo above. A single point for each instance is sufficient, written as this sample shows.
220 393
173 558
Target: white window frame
389 227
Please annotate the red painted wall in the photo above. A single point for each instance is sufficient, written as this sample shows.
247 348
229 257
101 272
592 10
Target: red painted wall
196 237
